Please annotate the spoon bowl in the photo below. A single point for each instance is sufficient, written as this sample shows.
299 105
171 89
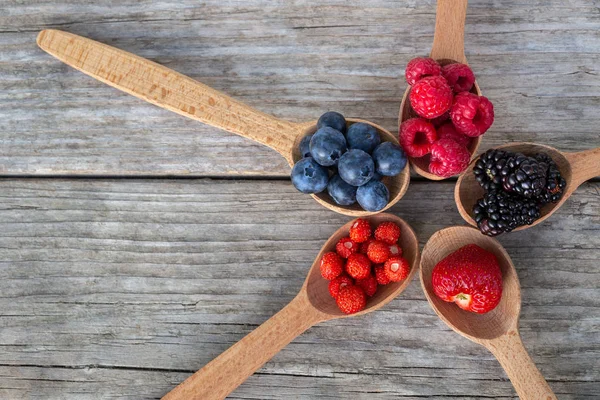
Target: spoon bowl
576 168
312 305
497 330
448 48
173 91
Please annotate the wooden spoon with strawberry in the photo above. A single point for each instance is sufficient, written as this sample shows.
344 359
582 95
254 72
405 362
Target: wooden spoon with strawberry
497 329
312 305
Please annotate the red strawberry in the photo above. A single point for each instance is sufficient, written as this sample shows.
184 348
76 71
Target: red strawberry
369 285
358 266
395 250
470 277
364 247
346 246
378 252
388 232
397 269
336 284
360 231
351 299
332 265
380 275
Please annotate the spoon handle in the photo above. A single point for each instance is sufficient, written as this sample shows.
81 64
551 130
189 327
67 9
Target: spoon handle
225 373
449 36
522 372
168 89
584 164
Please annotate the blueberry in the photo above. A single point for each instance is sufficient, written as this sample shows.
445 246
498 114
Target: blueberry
342 193
376 176
309 177
373 196
356 167
333 120
305 146
327 146
389 159
362 136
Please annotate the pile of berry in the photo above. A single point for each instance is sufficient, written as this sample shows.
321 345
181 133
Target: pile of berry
363 261
449 115
348 161
516 187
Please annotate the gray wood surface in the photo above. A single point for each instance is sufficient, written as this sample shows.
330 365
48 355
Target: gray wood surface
120 287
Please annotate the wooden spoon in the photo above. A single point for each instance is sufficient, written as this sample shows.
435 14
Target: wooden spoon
175 92
312 305
576 168
497 330
448 47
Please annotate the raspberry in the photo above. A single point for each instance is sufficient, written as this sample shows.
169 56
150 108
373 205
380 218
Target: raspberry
360 231
351 299
331 265
378 252
416 137
364 247
336 284
396 269
440 120
388 232
448 158
369 285
346 246
420 67
395 250
431 97
472 115
449 131
358 266
459 76
380 275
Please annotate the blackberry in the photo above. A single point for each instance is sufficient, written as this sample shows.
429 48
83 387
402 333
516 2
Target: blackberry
555 183
527 176
497 212
491 167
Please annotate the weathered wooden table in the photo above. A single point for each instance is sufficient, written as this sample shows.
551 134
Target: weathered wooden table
136 245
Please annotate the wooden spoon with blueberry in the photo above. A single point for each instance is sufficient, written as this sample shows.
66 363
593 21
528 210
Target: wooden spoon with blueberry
350 166
343 281
472 285
443 115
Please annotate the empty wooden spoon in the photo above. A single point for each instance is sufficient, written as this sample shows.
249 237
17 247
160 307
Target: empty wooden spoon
448 47
576 168
497 330
312 305
175 92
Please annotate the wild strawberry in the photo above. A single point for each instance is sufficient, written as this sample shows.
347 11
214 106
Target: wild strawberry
336 284
346 246
470 277
395 250
360 231
388 232
380 275
397 269
332 265
378 252
369 285
351 299
364 247
358 266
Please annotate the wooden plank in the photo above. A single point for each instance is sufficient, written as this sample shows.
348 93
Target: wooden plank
121 289
536 60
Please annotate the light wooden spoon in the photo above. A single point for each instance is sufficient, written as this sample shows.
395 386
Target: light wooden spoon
576 168
312 305
168 89
448 47
497 330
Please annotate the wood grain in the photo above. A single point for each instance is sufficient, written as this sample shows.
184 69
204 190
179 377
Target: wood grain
121 289
292 59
